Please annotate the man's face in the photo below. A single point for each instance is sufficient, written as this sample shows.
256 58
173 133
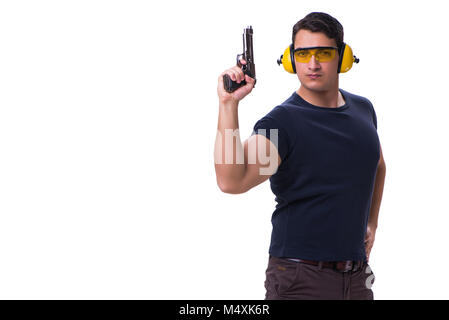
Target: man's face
327 71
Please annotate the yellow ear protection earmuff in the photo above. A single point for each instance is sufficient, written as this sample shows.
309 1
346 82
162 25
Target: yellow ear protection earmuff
287 60
346 59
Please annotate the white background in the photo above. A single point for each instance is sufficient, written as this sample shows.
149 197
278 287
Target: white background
108 116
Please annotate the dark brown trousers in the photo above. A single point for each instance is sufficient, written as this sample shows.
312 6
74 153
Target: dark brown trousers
291 280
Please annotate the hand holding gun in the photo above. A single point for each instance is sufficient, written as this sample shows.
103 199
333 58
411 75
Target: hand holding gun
248 68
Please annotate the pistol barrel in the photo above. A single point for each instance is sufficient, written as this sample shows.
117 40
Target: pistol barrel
248 44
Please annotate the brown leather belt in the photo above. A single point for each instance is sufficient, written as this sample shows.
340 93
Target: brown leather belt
341 266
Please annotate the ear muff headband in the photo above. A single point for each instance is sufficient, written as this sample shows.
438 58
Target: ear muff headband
345 62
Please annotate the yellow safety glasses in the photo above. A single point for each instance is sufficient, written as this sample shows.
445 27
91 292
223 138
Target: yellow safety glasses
322 54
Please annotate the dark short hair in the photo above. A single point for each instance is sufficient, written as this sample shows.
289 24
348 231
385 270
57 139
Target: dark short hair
321 22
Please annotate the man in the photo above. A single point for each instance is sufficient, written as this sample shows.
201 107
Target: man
328 178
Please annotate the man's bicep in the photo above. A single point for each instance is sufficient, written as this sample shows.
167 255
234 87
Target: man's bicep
262 160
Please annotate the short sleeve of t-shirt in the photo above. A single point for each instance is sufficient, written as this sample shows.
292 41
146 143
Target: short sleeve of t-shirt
271 128
373 113
375 118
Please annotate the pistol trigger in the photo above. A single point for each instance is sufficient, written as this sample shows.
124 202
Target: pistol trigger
238 60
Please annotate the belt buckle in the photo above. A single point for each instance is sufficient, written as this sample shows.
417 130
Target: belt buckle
348 266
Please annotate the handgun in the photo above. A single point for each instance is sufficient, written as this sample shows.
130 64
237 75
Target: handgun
249 68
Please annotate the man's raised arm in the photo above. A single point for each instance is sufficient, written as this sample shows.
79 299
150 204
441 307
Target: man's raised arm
239 168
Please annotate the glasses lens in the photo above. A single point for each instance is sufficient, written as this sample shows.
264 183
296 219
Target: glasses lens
321 55
303 55
325 55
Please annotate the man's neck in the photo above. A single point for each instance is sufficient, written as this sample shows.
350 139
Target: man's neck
327 99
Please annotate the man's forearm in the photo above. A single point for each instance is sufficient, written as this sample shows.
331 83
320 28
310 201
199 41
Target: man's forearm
229 153
377 196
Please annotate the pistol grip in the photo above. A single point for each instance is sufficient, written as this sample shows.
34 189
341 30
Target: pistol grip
231 86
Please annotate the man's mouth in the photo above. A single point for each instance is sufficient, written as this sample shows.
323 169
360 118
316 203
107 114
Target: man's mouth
314 76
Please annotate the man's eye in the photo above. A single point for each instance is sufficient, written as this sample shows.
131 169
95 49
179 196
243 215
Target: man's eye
325 53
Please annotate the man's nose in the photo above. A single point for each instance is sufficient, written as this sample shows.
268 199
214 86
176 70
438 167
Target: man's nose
313 63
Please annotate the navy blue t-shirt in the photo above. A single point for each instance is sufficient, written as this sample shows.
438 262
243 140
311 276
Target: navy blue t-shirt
324 184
